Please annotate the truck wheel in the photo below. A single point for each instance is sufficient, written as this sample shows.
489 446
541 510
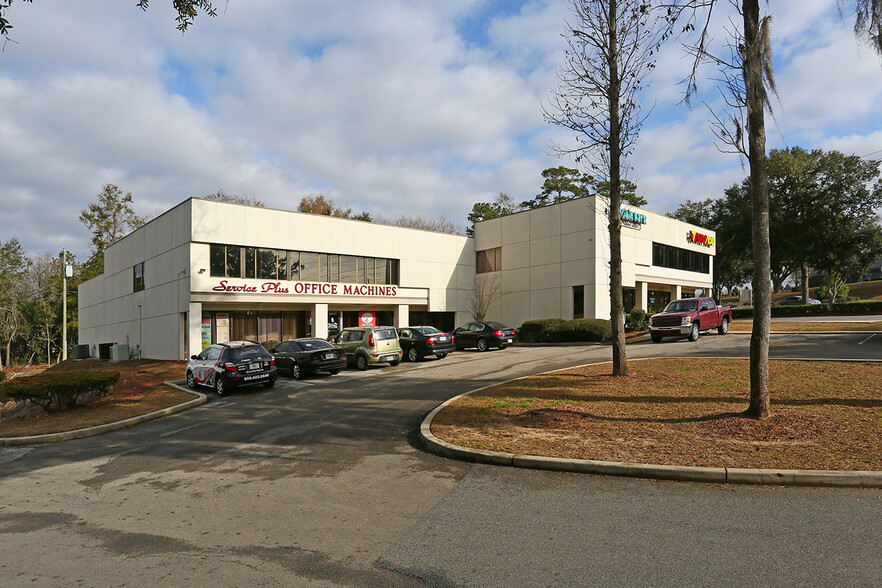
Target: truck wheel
656 338
724 326
693 334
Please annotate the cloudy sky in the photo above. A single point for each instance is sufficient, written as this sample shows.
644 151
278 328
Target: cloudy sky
391 106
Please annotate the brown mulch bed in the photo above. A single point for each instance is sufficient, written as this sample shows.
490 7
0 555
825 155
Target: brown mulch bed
140 390
825 415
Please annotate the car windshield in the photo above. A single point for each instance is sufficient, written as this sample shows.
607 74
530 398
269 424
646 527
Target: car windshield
384 334
682 306
315 344
427 330
248 353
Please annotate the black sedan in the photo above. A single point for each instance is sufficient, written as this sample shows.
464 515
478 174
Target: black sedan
418 342
300 356
483 336
227 366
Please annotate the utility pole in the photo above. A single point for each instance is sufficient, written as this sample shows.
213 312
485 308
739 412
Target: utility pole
67 272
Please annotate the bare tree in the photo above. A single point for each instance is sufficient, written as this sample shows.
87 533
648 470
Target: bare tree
424 222
609 56
221 196
487 291
752 48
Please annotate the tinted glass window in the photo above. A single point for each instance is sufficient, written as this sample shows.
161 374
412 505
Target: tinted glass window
234 262
213 353
703 305
309 267
347 269
204 354
427 330
283 347
266 264
249 352
496 326
711 305
384 334
217 261
315 344
249 262
682 306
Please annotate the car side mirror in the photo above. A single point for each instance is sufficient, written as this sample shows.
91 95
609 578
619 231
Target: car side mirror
194 357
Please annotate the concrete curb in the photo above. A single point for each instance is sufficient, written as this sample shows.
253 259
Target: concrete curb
106 428
823 478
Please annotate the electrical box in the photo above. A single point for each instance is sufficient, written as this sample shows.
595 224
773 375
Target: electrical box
119 353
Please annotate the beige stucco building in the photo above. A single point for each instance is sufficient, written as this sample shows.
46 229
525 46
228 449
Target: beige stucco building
208 271
205 272
553 262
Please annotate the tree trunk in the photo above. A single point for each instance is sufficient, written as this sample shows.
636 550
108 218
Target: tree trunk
759 188
805 287
616 300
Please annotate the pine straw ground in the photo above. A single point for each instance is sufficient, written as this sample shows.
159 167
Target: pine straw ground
140 390
825 415
746 326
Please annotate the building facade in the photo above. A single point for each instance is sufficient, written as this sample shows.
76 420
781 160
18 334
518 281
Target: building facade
205 272
553 262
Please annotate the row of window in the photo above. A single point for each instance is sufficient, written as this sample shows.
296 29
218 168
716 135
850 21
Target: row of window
680 259
233 261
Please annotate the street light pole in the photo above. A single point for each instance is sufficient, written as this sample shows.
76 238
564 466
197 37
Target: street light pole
64 305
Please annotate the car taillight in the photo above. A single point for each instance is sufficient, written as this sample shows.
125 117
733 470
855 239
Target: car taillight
273 361
431 341
513 332
371 340
452 339
230 367
499 333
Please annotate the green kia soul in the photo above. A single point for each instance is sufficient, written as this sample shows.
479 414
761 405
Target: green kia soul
365 346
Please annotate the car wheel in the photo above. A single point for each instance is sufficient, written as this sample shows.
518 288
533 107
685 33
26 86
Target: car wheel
191 381
441 355
412 354
724 327
656 338
333 372
269 384
482 345
693 333
296 372
219 385
361 362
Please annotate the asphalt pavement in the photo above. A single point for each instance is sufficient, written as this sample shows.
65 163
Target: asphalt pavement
318 483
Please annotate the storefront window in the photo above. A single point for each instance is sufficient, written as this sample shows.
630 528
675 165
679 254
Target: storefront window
369 277
382 269
283 265
333 268
294 265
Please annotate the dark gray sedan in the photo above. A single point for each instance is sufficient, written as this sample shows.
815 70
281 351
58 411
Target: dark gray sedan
307 356
418 342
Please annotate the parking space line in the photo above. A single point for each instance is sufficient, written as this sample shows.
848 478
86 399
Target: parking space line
867 339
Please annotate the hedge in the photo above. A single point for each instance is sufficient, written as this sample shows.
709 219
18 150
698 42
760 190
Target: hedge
580 330
536 331
637 319
270 345
854 307
59 391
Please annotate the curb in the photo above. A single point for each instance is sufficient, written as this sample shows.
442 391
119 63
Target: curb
108 427
822 478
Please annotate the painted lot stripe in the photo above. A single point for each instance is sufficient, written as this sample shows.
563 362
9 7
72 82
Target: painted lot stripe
867 339
167 433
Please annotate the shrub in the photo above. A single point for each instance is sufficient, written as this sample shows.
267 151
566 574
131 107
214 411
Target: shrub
270 345
536 331
580 330
857 307
2 377
61 390
637 319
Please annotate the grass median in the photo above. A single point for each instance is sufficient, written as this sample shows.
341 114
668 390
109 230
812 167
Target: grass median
825 415
140 390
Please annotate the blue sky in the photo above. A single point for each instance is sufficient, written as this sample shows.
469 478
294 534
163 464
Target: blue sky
394 106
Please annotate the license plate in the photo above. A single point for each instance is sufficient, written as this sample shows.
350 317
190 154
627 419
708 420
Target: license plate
442 339
257 377
389 358
329 356
508 340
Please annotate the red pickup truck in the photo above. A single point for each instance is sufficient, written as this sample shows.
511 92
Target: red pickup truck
688 317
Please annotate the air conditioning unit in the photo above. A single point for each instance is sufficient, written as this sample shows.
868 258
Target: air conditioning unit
119 353
81 352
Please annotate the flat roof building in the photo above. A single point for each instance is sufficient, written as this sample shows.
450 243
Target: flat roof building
205 272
